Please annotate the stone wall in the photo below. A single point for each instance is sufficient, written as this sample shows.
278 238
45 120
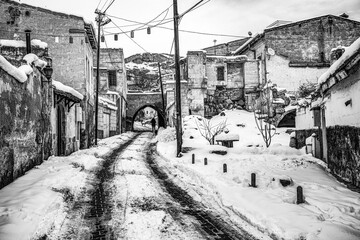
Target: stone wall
310 41
344 152
68 45
25 129
225 48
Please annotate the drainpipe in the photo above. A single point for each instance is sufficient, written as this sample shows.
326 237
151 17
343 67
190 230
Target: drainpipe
28 41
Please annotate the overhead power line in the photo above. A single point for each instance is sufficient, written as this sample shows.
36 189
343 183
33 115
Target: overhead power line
130 37
181 30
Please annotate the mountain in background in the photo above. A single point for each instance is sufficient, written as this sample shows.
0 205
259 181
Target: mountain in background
142 71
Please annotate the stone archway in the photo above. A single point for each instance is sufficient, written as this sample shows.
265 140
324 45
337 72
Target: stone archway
160 114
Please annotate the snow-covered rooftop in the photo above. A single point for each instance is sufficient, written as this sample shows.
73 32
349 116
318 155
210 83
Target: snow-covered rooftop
67 89
20 43
108 103
348 53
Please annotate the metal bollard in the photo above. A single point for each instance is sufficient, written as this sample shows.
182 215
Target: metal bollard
299 195
205 161
224 168
193 159
253 180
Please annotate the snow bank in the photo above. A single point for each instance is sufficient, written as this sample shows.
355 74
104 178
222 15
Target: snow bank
270 206
33 206
67 89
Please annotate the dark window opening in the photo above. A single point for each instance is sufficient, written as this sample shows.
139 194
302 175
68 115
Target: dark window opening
112 78
220 73
71 39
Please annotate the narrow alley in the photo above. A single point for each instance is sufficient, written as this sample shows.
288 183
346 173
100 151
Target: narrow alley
132 198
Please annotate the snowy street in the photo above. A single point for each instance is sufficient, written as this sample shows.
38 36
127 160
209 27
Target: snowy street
131 186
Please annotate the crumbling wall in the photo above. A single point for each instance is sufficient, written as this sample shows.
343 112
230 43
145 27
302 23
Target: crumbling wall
344 152
25 129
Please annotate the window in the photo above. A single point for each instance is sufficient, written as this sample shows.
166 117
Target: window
71 39
112 78
220 73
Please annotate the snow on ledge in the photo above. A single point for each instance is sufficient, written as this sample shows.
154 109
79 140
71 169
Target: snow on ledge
349 51
108 103
18 73
19 43
67 89
31 58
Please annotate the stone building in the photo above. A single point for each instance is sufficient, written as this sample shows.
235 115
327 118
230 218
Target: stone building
71 41
25 106
225 49
293 53
112 92
330 123
215 83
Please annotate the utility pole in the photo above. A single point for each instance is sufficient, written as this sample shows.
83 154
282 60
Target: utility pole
100 22
162 90
177 82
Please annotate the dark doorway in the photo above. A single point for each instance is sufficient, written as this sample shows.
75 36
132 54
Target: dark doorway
61 137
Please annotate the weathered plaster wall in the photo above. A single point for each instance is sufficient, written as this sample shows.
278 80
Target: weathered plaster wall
304 119
290 78
25 129
337 113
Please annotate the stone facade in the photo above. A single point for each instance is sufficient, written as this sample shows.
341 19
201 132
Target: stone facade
298 52
112 65
71 42
139 101
225 49
25 135
215 83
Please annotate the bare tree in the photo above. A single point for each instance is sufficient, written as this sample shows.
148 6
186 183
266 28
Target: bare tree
264 114
209 130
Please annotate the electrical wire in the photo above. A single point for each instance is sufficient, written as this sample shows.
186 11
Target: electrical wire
98 4
109 6
103 5
130 38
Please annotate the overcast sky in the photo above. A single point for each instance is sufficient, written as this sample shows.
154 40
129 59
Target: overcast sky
219 17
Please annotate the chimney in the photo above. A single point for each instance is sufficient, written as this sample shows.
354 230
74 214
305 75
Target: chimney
28 41
336 53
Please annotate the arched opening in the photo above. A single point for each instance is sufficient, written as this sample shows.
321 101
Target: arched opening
287 119
141 121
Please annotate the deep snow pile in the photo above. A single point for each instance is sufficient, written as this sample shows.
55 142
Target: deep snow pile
330 211
35 204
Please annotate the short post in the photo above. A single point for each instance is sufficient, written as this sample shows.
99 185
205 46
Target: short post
299 195
193 159
253 180
224 168
205 161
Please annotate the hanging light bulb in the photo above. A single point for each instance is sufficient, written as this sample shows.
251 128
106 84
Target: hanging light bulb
102 38
148 30
116 37
132 33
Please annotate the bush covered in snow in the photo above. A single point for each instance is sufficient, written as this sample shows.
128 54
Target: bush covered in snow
166 135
